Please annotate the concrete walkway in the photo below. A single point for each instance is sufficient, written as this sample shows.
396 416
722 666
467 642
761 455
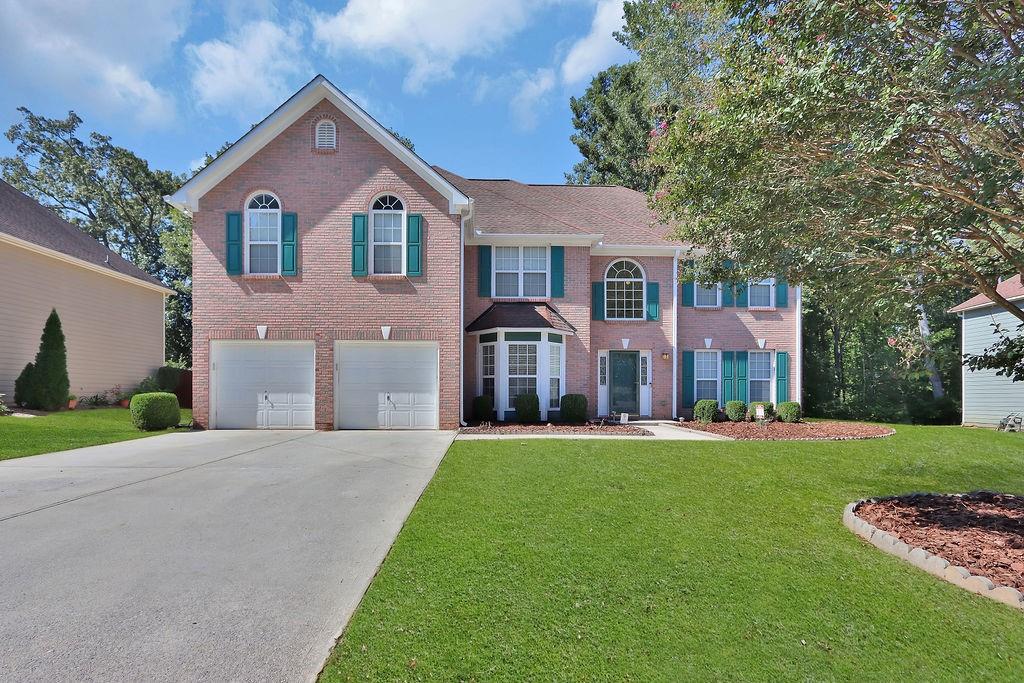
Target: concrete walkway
217 556
662 430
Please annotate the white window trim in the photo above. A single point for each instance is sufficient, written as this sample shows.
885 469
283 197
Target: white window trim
718 296
643 289
771 294
402 230
718 378
507 375
480 371
771 374
245 231
561 373
520 271
334 134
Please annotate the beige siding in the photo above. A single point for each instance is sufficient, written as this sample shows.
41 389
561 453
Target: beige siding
114 329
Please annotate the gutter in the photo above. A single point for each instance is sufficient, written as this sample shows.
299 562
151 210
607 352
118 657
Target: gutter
675 335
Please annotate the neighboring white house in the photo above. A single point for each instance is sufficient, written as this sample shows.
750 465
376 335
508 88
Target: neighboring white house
987 397
111 312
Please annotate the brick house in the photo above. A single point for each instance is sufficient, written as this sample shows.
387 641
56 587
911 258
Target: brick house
340 281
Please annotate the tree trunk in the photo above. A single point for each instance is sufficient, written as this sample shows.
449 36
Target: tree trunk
929 360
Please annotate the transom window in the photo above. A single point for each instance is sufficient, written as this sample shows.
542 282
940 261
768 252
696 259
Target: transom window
707 297
326 135
706 375
487 365
522 371
520 272
760 372
263 235
388 216
624 291
760 294
554 376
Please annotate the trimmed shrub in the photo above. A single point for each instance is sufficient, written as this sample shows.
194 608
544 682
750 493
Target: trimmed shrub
167 378
789 411
154 411
769 410
705 410
23 385
573 408
736 411
483 408
527 408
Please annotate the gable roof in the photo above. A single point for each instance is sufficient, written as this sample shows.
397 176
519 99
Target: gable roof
27 223
188 195
608 214
1012 289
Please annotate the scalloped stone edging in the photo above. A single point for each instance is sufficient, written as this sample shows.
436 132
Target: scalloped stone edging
929 562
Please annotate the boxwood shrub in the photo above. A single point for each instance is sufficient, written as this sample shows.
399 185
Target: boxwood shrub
736 411
154 411
705 410
483 408
769 410
528 408
789 411
573 408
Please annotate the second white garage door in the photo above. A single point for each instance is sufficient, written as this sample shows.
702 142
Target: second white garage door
386 385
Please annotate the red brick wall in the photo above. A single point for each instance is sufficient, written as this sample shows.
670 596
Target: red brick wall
324 302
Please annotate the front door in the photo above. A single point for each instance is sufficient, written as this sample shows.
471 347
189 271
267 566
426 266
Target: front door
624 394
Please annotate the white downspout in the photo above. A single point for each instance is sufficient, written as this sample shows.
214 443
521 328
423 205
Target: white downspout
800 344
675 335
462 319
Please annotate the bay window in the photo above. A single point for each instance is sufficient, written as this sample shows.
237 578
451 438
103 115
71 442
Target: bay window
554 376
488 359
522 371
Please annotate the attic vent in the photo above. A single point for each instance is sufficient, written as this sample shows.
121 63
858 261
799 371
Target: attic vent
326 135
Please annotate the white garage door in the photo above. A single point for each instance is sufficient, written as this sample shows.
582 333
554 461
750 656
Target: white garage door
262 385
386 385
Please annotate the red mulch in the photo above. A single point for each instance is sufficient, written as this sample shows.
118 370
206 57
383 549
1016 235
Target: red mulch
512 428
983 532
789 431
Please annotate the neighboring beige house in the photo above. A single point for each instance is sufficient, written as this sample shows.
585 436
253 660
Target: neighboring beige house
112 313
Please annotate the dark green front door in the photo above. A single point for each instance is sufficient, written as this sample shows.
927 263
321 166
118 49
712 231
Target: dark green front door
624 392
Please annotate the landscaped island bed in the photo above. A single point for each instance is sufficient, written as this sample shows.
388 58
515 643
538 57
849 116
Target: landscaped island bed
607 429
983 532
788 431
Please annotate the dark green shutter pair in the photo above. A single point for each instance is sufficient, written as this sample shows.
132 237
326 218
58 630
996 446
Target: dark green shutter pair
734 376
413 245
483 271
597 312
289 243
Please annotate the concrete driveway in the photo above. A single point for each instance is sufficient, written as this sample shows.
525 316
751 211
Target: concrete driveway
220 556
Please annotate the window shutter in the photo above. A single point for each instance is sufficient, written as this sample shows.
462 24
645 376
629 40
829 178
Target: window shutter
597 300
727 295
483 270
781 294
653 301
557 272
781 376
741 294
289 244
728 377
689 376
688 294
414 244
360 263
741 376
233 241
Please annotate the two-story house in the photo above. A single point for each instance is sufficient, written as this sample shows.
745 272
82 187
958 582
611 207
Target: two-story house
341 282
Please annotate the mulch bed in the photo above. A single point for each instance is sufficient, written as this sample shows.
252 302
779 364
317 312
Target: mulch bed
793 431
983 532
511 428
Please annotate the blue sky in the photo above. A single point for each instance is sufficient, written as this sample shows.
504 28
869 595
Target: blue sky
481 86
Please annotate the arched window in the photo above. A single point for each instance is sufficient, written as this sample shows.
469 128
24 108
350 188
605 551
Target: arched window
388 222
624 291
326 135
263 234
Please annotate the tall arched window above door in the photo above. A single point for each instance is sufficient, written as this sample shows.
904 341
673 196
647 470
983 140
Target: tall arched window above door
624 291
387 221
263 234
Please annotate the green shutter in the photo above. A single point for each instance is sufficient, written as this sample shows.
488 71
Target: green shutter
727 295
289 244
781 376
741 294
781 294
741 376
728 379
414 244
688 293
233 240
689 375
653 301
483 270
597 300
360 264
557 272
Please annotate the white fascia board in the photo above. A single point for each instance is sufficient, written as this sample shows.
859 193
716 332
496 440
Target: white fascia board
988 304
633 250
188 196
521 329
533 239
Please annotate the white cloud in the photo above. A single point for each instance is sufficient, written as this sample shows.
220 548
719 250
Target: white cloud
531 97
598 49
248 73
97 55
431 35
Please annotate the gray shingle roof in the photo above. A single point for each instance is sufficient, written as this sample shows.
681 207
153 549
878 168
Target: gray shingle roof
520 314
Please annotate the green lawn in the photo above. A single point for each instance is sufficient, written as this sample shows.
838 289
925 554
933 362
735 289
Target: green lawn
679 561
68 429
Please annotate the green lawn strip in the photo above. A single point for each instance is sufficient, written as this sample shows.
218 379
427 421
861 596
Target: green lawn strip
69 429
669 561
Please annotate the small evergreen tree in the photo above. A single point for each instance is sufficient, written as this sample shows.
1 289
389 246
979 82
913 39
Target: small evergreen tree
48 383
23 386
